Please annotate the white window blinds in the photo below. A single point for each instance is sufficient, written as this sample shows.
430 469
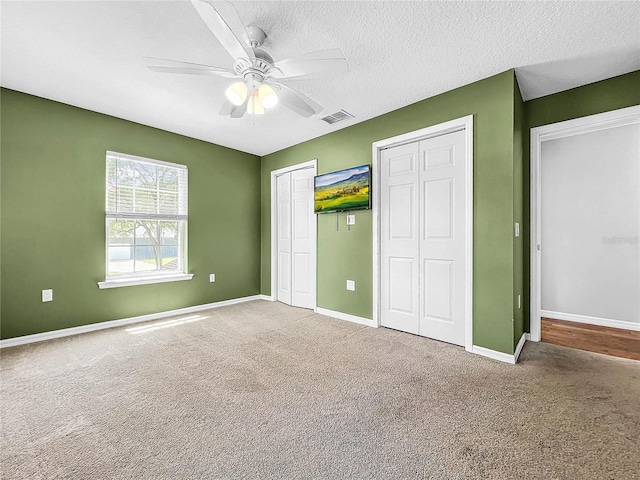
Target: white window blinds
142 188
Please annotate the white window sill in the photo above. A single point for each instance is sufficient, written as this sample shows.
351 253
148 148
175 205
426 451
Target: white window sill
129 282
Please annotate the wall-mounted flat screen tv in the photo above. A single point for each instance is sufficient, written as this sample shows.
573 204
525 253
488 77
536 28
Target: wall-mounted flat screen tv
348 189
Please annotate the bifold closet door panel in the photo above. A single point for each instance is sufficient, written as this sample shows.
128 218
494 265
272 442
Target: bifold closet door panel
443 237
399 216
303 247
283 195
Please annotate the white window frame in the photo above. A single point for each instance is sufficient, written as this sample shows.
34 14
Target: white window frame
156 276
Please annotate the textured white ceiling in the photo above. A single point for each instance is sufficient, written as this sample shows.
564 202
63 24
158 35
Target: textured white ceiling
90 54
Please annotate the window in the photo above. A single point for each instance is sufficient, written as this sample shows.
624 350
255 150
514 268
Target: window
146 217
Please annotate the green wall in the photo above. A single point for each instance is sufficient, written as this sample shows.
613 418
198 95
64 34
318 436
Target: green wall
348 254
53 224
611 94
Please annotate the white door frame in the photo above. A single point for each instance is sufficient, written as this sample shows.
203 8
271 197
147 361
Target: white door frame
591 123
274 232
463 123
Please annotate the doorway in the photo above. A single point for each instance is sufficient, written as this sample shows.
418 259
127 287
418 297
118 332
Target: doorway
293 235
423 225
585 223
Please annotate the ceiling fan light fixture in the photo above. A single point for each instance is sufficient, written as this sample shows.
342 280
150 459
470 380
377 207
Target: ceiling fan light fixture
267 95
254 105
237 93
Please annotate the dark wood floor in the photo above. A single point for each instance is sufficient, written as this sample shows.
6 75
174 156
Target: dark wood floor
593 338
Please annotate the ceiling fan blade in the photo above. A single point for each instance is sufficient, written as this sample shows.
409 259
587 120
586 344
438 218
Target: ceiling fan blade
224 28
191 71
176 66
227 108
239 111
296 101
321 63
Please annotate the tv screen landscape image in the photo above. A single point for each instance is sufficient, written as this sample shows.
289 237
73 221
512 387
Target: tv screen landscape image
343 190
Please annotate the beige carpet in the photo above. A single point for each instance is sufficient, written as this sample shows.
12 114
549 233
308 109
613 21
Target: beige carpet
261 390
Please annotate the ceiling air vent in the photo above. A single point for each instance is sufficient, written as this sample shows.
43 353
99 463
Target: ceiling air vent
337 117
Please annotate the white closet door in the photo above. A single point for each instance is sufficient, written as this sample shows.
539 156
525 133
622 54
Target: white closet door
443 237
303 246
423 237
283 195
399 210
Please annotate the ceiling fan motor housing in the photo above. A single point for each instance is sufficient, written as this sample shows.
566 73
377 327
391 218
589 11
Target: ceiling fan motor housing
261 65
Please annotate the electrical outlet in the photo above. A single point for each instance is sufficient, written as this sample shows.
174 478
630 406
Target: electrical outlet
212 277
351 285
351 219
47 295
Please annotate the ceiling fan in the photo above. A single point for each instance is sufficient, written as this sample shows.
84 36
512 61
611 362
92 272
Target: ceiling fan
258 86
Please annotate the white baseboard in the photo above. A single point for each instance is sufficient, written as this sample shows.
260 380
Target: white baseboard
486 352
345 316
604 322
268 298
65 332
516 355
502 357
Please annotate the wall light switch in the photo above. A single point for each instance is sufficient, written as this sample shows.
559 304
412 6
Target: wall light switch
47 295
519 302
351 285
517 229
351 219
212 277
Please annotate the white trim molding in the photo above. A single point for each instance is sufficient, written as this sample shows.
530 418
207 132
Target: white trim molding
463 123
132 281
66 332
274 233
519 347
591 123
345 316
604 322
501 356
